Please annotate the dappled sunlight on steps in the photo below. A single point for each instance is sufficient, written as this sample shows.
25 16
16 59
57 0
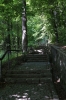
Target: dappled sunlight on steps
39 91
38 54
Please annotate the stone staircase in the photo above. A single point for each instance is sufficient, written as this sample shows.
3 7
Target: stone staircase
29 72
40 54
37 58
36 69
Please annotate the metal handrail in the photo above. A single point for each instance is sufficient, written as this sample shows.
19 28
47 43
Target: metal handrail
59 64
58 49
7 52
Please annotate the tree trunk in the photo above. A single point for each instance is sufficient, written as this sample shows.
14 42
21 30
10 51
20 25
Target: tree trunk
18 38
24 28
55 22
8 37
56 32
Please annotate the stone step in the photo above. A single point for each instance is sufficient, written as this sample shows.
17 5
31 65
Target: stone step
28 71
28 75
37 55
37 60
27 80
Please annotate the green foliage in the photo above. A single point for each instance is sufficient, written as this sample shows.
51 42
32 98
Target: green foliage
41 20
37 29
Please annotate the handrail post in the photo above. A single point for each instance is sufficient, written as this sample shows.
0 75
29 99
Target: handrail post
8 60
0 69
17 53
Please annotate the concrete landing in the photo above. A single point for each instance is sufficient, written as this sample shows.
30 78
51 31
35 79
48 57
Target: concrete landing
23 91
16 91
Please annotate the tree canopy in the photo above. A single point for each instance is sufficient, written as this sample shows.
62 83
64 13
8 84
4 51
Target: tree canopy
45 18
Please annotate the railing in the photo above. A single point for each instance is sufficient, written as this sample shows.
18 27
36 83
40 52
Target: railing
8 60
59 64
6 57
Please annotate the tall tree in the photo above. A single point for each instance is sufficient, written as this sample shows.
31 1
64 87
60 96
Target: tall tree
24 28
8 37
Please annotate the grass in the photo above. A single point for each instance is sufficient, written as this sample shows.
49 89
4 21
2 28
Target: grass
1 53
11 55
